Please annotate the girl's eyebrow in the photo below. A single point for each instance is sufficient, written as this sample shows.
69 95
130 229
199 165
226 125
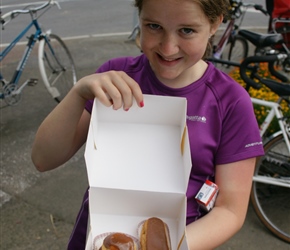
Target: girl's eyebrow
148 20
192 24
195 25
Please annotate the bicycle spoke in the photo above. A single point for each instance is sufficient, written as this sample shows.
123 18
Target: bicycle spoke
272 202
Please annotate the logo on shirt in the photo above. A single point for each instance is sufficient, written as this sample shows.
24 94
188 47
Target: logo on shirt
196 118
253 144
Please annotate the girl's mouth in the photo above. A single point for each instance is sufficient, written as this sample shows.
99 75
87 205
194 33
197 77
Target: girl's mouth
168 61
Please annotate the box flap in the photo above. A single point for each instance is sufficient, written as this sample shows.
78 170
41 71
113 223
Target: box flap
141 149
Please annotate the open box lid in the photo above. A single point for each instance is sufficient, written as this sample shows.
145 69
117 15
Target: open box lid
145 149
138 164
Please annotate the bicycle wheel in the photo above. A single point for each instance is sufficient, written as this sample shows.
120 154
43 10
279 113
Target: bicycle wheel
271 201
56 66
235 51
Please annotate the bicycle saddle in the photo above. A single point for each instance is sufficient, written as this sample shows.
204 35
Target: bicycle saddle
261 40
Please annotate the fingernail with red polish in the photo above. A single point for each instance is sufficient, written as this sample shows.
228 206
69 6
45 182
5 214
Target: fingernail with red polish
141 104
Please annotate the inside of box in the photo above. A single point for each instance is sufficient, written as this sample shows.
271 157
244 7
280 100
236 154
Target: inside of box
137 156
125 211
157 110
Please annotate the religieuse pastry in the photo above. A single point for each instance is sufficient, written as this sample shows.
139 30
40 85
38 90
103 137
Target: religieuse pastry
118 241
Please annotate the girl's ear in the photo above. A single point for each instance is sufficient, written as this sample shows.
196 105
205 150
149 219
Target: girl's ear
216 25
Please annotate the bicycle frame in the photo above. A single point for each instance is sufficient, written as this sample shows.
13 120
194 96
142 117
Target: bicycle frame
218 49
31 42
275 111
228 36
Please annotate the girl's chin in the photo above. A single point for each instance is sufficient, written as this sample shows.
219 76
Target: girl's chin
165 77
165 72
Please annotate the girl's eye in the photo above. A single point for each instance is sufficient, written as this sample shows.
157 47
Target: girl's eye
154 26
187 31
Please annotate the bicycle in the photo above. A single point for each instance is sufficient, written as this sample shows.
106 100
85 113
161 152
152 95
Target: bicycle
282 25
55 62
270 194
279 22
231 48
264 45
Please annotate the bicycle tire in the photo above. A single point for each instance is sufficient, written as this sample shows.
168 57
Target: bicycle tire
235 51
56 66
271 202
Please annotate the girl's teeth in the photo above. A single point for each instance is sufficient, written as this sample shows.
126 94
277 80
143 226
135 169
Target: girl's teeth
169 60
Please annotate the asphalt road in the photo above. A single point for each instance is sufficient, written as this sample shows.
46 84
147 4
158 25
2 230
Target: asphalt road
75 18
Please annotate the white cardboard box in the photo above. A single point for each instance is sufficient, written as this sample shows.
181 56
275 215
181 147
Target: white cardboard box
138 164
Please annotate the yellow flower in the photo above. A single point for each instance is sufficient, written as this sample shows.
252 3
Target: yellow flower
263 93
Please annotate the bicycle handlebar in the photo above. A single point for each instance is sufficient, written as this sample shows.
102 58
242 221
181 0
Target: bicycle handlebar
260 8
7 17
237 9
256 59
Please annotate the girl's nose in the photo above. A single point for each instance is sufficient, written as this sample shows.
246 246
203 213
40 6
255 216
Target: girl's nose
169 45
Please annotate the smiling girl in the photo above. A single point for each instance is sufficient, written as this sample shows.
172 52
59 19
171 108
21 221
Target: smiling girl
174 38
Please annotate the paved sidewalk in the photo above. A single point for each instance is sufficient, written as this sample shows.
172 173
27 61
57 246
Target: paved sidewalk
40 208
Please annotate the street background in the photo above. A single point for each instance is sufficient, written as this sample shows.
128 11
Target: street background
38 210
92 17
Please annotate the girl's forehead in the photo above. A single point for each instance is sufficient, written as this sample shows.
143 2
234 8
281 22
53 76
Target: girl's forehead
177 1
168 1
166 9
180 2
161 5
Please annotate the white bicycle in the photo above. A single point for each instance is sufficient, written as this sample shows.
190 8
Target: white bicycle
270 193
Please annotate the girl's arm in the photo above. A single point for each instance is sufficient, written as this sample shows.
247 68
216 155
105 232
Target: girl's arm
65 129
228 215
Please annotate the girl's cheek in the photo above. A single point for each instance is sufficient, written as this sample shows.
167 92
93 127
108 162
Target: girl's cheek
146 41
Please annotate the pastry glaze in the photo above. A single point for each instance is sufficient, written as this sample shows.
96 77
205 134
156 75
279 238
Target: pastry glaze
118 241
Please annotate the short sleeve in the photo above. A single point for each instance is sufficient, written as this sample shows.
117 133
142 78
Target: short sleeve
240 137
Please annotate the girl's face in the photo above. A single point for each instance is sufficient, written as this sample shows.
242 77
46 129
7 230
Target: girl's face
174 37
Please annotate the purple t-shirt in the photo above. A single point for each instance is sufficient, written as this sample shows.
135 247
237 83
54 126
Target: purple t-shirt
221 123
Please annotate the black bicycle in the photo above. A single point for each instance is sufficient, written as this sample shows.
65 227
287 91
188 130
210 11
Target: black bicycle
264 46
231 48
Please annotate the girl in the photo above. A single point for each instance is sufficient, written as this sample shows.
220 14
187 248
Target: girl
174 39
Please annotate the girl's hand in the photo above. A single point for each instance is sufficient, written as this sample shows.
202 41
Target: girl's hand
112 88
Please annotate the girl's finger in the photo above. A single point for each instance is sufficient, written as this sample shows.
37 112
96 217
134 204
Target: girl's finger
135 90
